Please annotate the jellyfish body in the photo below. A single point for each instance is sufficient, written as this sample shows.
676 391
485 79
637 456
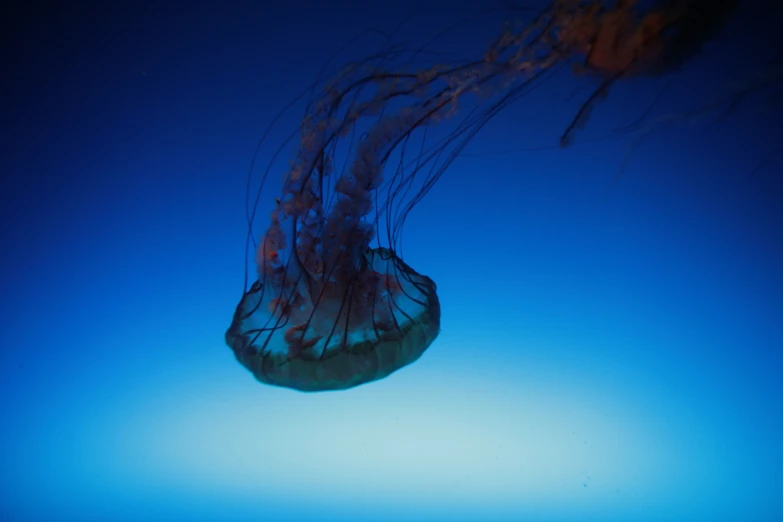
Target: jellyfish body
329 311
384 320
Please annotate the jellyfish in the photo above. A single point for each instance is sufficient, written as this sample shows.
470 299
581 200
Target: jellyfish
334 304
622 41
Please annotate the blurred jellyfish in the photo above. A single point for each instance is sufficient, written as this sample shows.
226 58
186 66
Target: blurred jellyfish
622 41
329 311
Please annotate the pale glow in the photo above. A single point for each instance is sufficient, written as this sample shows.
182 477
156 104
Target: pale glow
484 443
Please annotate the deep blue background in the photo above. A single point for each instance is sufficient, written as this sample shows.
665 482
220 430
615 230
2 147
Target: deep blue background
611 349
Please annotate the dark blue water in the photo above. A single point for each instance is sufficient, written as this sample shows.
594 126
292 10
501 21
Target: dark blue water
610 347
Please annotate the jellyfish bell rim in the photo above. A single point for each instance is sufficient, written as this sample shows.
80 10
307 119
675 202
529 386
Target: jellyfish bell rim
350 365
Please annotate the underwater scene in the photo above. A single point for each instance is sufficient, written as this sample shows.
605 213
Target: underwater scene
378 261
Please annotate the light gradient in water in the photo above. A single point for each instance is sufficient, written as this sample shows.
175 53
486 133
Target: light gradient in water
610 348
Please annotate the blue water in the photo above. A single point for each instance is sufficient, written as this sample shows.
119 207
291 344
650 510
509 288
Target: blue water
610 348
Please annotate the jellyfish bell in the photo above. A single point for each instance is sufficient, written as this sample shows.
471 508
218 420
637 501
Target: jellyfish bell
382 319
